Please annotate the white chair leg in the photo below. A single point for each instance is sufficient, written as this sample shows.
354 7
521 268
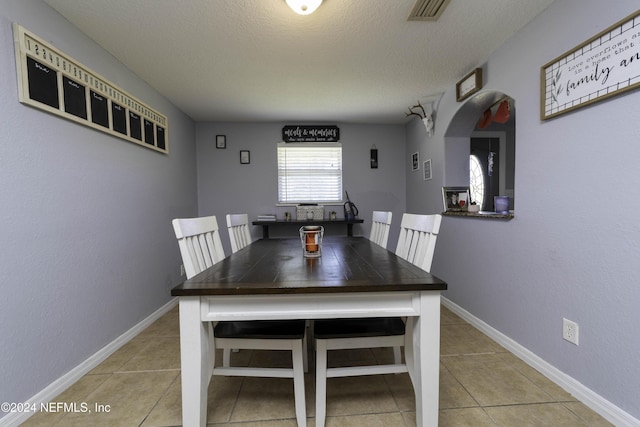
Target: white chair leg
397 355
321 382
298 383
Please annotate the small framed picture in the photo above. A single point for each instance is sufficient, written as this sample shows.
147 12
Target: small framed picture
455 199
426 168
245 157
221 141
415 162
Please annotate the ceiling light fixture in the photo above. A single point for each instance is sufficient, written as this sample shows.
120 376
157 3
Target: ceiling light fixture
304 7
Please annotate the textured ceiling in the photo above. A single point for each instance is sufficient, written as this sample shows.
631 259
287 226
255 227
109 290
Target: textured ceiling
357 61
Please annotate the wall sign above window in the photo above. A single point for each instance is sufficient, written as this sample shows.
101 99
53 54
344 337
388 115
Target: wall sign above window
603 66
311 134
54 82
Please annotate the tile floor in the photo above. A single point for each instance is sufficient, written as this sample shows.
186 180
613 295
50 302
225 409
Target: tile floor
481 384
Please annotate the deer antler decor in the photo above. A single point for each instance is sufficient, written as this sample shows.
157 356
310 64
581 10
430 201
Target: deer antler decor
427 120
413 113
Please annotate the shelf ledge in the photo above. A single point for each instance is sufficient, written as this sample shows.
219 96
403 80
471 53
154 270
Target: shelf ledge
481 214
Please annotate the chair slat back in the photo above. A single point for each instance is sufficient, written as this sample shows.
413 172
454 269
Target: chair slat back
238 226
417 241
380 225
199 242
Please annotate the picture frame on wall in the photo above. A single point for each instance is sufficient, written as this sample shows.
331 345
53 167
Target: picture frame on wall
221 141
415 162
591 72
470 84
245 157
455 199
426 169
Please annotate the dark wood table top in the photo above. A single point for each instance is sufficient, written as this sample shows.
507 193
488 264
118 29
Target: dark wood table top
277 266
310 221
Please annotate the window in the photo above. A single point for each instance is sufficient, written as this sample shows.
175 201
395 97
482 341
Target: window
309 173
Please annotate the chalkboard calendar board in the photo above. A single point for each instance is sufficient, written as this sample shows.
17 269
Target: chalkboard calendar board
99 109
54 82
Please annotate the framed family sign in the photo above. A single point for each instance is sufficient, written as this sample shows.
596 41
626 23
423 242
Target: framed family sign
603 66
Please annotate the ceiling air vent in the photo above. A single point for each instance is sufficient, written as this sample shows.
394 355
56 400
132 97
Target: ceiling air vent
428 10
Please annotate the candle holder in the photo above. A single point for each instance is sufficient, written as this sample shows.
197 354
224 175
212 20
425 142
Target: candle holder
311 239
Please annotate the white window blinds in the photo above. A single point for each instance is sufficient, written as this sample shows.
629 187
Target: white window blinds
309 173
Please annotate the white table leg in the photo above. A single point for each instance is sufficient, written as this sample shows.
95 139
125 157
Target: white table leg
426 359
194 350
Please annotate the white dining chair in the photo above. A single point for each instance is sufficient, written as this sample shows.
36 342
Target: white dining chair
201 247
417 240
380 225
418 234
238 226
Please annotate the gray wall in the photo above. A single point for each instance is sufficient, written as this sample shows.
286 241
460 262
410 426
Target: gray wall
87 250
225 186
572 249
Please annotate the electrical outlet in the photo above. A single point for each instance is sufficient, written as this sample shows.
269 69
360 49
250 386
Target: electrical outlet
570 331
182 273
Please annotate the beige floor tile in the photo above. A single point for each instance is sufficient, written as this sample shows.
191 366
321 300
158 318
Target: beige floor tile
121 356
402 391
452 393
77 393
264 399
222 395
590 417
481 384
537 415
159 353
273 423
465 339
384 355
238 358
310 393
359 395
465 417
166 326
449 317
129 397
409 419
492 381
377 420
265 358
555 391
362 356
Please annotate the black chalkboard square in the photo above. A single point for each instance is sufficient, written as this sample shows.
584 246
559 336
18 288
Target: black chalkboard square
160 138
99 109
43 83
148 132
75 99
119 115
135 126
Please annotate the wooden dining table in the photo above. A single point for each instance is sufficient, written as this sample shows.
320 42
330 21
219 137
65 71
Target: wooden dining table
271 279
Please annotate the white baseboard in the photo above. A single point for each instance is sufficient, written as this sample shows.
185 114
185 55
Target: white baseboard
65 381
606 409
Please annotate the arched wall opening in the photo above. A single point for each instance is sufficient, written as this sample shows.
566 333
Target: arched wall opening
477 129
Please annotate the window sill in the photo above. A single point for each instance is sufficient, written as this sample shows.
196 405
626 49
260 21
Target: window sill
481 214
